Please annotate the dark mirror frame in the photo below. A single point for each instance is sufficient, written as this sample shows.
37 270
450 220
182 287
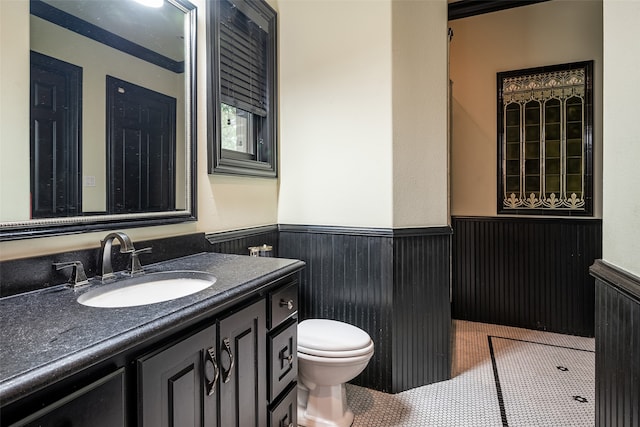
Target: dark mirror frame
73 225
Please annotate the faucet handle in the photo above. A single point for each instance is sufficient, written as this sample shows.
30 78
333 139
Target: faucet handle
78 276
136 267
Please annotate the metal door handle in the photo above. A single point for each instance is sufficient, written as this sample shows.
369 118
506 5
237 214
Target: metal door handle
211 364
226 373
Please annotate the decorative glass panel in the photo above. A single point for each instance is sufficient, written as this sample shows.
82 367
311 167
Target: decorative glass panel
545 138
513 147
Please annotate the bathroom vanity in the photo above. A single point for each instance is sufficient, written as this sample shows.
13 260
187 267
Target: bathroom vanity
223 356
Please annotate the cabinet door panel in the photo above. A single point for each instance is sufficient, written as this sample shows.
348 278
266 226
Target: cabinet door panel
242 358
183 397
172 384
283 366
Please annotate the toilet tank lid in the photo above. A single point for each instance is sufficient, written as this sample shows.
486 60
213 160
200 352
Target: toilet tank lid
331 335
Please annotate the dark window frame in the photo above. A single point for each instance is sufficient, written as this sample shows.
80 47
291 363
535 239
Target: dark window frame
587 136
264 162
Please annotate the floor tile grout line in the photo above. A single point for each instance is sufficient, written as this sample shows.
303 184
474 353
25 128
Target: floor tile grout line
494 364
543 343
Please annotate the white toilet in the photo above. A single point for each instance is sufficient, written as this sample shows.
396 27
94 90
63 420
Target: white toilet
330 353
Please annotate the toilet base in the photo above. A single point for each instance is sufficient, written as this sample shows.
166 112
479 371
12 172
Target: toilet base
305 421
324 406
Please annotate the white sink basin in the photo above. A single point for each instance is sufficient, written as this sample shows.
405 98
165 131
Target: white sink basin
147 289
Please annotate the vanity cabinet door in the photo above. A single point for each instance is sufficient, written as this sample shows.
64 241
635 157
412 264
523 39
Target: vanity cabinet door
177 384
242 357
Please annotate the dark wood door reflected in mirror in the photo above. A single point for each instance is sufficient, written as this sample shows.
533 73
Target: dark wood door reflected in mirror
142 148
55 137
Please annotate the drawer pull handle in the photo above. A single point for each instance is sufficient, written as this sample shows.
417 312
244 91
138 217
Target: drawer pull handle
211 364
288 304
226 373
283 422
283 358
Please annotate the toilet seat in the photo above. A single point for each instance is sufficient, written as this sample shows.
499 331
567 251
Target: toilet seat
320 354
331 338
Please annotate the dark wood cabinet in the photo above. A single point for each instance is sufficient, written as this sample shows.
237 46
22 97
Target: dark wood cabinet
227 369
282 348
176 385
179 384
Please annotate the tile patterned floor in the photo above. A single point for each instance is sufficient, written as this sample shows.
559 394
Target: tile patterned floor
543 379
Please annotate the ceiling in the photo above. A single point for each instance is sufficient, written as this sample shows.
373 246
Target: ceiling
465 8
158 29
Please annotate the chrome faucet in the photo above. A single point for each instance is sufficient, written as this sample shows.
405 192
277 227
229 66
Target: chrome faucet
78 276
126 247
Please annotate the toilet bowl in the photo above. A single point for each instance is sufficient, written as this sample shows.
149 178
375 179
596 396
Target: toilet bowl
330 353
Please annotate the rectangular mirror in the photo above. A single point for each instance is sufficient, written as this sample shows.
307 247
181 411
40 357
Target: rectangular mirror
111 116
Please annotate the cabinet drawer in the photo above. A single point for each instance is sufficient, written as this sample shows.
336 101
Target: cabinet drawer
283 303
100 404
285 412
283 357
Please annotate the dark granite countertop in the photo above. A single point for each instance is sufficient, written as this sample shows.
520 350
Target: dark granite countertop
47 335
